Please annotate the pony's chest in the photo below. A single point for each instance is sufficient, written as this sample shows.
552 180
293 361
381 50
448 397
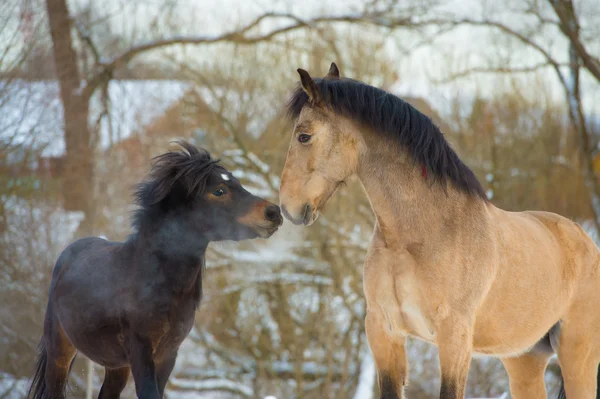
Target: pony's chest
176 325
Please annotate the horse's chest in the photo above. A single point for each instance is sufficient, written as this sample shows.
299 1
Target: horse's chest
413 312
394 288
399 298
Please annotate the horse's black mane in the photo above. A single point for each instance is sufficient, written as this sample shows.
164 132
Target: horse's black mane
174 178
397 119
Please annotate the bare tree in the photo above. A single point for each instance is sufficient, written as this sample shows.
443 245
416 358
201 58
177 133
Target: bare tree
536 24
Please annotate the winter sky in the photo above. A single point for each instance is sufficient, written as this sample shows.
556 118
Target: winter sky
462 48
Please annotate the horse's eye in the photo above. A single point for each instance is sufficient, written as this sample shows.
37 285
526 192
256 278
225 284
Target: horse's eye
219 191
304 138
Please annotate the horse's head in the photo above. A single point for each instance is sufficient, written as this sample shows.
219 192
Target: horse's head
191 188
324 150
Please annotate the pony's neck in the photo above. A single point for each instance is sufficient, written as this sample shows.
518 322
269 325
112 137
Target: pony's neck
169 245
409 209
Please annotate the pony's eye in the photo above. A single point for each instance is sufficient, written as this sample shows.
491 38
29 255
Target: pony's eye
303 138
219 191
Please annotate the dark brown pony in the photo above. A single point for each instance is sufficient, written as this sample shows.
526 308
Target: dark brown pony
128 306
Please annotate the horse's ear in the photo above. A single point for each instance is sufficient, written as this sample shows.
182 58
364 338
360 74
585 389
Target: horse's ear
310 87
334 72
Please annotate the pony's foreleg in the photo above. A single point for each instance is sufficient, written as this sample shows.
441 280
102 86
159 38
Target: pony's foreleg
389 355
115 381
163 371
142 367
526 375
455 342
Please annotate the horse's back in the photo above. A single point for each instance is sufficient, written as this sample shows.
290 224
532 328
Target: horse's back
563 240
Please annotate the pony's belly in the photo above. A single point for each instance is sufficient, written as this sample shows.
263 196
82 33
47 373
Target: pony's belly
102 342
104 349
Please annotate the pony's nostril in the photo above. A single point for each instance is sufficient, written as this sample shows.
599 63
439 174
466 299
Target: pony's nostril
272 213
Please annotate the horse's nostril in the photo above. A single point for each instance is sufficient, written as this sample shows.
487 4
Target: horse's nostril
272 213
307 211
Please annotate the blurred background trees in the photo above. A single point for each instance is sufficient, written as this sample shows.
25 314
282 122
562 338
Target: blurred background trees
91 91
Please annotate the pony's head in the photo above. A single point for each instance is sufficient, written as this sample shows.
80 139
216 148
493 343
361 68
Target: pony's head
190 189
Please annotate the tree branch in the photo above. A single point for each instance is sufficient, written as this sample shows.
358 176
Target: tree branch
570 27
239 36
519 36
85 37
497 70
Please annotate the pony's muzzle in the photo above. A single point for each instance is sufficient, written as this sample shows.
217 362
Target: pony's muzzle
273 214
264 218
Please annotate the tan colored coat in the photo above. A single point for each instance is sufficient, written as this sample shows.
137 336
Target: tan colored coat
449 267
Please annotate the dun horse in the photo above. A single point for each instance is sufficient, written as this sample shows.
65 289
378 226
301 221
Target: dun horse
128 306
444 264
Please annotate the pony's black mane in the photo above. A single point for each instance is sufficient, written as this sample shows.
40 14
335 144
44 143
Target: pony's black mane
392 116
175 177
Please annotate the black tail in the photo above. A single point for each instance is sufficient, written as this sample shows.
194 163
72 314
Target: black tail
38 389
562 394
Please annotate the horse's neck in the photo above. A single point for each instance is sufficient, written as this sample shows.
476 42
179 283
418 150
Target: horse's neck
408 208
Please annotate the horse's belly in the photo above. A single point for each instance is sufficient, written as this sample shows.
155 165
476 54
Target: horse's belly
513 335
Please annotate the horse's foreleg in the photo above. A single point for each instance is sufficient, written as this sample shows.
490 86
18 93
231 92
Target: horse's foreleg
455 342
163 371
115 381
389 354
142 367
526 375
579 354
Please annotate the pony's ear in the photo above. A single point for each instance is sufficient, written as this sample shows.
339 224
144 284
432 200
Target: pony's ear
334 72
310 87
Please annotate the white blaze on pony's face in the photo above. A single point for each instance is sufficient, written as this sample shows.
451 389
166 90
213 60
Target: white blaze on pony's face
323 152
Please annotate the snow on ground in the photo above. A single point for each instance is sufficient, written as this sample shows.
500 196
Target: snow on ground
367 376
13 388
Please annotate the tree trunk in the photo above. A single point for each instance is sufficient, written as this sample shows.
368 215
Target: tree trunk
77 176
570 23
